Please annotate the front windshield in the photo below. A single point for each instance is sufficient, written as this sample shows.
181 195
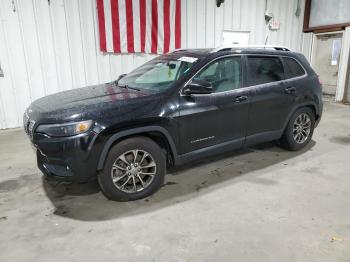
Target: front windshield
158 74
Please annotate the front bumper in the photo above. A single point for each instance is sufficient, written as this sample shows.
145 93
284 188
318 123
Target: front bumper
68 158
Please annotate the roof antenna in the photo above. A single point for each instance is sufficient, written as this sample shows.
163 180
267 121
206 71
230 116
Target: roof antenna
267 37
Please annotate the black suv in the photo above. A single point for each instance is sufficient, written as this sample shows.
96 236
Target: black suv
176 108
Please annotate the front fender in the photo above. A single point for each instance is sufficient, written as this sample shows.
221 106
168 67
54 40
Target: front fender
133 131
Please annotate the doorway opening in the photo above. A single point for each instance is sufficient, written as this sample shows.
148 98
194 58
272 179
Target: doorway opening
325 59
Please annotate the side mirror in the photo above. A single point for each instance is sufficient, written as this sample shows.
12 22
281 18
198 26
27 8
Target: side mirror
120 77
198 87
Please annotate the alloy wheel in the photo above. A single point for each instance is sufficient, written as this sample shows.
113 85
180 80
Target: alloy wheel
301 128
133 171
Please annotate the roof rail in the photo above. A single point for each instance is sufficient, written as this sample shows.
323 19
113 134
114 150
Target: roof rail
268 47
178 50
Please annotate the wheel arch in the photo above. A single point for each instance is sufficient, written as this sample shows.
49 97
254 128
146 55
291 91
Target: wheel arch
312 106
157 133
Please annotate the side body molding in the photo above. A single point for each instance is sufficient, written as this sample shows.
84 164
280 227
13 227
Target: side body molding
134 131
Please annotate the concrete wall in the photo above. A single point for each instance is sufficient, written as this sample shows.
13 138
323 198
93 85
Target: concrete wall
50 46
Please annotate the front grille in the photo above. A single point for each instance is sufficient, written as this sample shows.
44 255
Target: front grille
28 125
25 122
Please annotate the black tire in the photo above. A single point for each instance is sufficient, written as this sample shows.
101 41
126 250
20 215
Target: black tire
111 191
288 140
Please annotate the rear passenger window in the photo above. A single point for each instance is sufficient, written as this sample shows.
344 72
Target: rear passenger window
292 68
264 70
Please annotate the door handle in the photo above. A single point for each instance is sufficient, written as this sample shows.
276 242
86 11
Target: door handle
290 90
239 99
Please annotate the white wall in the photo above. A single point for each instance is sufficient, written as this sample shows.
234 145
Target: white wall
50 46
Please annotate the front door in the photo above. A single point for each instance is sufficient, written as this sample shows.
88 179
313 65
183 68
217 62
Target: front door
219 117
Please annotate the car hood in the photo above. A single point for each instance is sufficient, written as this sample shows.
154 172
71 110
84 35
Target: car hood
92 101
85 96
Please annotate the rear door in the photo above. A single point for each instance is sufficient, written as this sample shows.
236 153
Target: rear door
295 76
272 101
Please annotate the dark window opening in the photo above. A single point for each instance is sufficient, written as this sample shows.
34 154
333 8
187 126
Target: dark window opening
292 68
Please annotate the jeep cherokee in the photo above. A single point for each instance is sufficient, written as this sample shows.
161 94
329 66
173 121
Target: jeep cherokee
176 108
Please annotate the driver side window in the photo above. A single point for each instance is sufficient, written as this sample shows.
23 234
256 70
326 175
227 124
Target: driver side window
224 74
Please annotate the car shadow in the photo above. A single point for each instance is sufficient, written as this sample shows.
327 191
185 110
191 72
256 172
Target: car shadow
86 202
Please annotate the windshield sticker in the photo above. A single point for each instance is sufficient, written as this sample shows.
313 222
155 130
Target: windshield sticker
188 59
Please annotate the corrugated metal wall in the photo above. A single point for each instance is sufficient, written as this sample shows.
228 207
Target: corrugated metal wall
51 45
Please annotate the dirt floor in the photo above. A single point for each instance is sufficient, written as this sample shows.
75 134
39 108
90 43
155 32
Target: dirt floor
257 204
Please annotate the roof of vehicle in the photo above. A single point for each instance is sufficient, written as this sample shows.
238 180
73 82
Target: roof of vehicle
202 52
197 52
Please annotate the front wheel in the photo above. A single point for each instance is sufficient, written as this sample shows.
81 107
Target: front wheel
299 130
134 169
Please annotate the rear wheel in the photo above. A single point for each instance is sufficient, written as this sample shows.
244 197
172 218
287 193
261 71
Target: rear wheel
299 130
134 169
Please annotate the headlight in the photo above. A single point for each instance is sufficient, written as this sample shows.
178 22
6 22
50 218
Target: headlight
69 129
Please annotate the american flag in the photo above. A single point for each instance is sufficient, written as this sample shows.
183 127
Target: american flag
145 26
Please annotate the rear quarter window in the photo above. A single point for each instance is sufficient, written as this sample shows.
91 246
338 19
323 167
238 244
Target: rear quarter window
292 68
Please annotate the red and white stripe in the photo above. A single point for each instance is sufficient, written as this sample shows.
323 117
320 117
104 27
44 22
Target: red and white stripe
139 26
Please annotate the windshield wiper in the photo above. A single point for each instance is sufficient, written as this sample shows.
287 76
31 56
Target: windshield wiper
122 86
128 87
134 88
